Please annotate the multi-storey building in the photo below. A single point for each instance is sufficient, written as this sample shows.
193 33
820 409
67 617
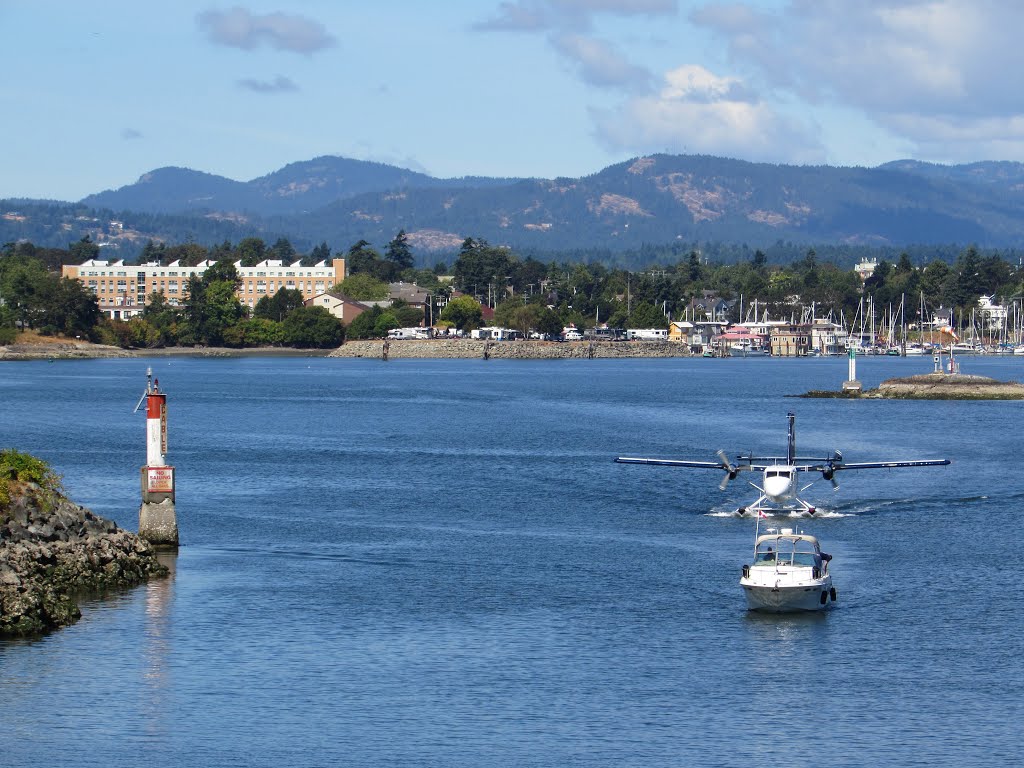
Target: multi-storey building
122 290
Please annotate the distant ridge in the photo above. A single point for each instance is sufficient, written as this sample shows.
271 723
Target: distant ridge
297 188
655 199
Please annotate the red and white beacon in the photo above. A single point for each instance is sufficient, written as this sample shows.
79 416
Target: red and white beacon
157 520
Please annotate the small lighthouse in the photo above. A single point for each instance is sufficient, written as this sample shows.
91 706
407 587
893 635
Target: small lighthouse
157 522
852 385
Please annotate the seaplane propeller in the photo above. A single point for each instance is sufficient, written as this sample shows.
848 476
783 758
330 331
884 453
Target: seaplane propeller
731 470
780 490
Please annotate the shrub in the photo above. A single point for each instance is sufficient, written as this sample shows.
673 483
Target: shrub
18 469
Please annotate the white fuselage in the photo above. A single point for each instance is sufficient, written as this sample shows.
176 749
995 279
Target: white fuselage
779 482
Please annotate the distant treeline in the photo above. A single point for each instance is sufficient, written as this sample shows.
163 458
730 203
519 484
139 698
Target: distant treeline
56 225
525 290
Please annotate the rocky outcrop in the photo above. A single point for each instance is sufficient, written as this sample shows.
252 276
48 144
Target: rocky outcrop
60 351
933 386
946 386
52 550
510 350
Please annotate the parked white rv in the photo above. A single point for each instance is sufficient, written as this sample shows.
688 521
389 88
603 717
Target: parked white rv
496 333
647 334
409 333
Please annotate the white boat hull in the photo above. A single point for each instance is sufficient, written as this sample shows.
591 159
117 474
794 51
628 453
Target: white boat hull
789 599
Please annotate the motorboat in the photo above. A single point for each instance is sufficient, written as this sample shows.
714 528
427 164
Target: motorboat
789 574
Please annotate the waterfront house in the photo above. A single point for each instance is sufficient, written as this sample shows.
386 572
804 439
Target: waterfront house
338 304
791 340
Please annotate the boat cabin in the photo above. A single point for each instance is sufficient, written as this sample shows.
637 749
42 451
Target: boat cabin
786 548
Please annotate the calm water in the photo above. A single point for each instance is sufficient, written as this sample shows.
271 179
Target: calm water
437 563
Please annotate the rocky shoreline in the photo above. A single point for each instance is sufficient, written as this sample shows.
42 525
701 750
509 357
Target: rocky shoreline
405 348
933 386
52 551
86 351
948 386
61 351
510 350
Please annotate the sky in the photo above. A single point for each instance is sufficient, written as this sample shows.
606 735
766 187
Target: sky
96 94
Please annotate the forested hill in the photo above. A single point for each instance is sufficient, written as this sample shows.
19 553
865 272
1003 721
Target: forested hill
660 199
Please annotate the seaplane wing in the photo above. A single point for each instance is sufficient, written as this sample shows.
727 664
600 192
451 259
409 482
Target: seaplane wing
671 462
879 465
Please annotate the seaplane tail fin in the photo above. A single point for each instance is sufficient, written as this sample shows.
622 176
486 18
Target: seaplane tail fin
791 452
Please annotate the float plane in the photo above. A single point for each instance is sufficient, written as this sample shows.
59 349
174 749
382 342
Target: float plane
780 490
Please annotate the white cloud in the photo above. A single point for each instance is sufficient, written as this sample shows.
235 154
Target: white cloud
240 28
568 24
279 84
600 63
698 112
535 15
934 72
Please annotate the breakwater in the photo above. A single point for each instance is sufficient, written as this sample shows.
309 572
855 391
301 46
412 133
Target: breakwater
510 350
932 386
52 550
61 351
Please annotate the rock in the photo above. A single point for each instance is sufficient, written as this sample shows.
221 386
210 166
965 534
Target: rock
947 386
516 350
52 550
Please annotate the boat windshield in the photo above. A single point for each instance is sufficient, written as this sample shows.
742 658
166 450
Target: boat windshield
785 550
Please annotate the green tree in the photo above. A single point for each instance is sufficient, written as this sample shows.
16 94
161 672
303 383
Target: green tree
385 322
278 306
481 268
282 249
312 328
548 322
71 308
261 332
84 250
399 253
24 288
646 315
364 325
464 311
407 315
363 287
212 306
251 251
321 253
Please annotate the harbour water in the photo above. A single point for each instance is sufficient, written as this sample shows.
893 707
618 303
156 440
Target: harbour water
437 563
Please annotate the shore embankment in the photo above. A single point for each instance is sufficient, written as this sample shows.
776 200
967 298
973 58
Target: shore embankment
932 386
510 350
84 350
61 351
53 551
404 348
947 386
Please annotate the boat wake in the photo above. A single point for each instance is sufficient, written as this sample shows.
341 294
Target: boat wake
820 513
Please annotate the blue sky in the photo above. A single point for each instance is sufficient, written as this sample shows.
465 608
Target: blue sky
99 93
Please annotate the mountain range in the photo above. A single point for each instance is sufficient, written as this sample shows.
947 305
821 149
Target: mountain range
655 199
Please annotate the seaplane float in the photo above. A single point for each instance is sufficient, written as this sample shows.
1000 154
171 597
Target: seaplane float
790 572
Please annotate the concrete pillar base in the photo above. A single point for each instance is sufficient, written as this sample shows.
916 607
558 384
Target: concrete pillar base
158 523
851 385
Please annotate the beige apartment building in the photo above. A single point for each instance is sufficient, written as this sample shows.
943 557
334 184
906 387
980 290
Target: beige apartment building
121 290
